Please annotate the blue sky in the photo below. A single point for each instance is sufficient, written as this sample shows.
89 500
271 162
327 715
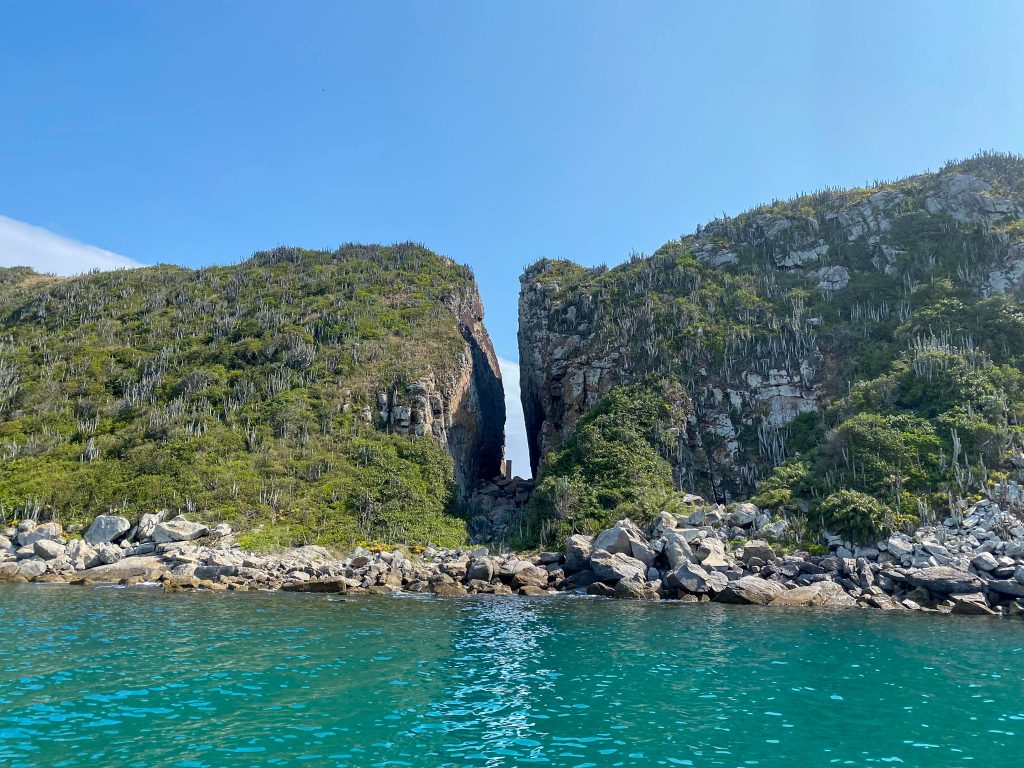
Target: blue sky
496 133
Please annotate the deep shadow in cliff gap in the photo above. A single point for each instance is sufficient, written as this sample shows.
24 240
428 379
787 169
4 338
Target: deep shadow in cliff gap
477 439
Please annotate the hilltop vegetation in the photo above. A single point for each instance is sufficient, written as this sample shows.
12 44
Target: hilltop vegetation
848 342
249 393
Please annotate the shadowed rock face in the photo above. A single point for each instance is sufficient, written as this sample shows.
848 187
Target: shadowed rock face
476 438
753 367
462 407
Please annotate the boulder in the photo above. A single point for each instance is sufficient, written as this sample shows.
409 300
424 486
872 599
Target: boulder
900 546
82 555
150 568
677 550
635 589
109 553
48 550
1008 587
577 552
449 590
742 515
481 569
106 528
624 537
986 561
178 529
5 543
711 554
750 589
147 525
692 578
972 604
45 531
529 575
322 585
662 523
759 549
822 593
775 531
944 580
613 540
31 569
614 566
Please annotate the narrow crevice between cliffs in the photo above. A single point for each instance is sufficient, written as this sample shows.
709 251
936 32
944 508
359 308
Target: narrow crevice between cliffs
476 437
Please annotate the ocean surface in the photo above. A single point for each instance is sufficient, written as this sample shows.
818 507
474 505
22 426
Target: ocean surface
133 677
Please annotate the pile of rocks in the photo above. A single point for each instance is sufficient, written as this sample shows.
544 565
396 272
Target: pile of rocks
971 564
42 552
496 507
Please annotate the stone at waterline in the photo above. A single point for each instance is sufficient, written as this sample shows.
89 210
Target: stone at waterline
150 567
822 593
635 589
106 528
31 569
692 578
750 589
972 604
527 574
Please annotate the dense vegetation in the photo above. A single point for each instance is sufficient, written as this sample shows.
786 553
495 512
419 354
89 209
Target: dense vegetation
614 460
919 356
244 393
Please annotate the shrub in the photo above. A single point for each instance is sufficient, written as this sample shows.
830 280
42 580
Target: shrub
855 516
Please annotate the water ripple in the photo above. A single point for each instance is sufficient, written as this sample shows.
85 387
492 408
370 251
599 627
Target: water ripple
139 678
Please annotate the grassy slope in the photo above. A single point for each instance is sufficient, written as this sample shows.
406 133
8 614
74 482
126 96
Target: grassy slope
238 393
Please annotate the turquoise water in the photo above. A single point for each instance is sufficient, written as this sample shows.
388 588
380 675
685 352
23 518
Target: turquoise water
134 677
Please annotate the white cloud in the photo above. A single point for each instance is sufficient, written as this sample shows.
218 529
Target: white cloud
25 245
516 447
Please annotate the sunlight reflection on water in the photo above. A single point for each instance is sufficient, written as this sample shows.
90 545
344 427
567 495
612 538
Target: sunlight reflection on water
139 678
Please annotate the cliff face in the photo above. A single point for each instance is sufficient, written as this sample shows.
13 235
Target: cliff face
769 319
304 395
462 406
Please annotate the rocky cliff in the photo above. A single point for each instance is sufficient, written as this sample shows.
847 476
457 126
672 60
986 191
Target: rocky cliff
302 395
787 321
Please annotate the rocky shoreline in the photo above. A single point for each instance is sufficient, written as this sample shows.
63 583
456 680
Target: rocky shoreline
971 565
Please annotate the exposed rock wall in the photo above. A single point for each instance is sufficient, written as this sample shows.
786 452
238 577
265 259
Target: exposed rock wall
462 407
584 331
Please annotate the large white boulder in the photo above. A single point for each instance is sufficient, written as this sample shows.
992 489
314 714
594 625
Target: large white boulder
178 529
106 528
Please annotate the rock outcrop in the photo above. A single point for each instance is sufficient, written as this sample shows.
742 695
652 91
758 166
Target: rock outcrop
463 406
742 315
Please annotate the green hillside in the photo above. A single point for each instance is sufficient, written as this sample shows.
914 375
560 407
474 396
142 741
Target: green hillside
869 340
249 393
